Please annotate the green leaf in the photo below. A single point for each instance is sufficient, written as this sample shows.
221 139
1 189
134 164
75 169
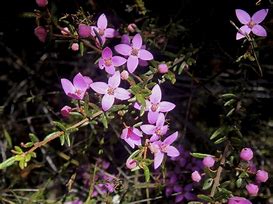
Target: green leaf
62 139
81 48
7 137
205 197
230 112
50 135
199 155
18 149
28 144
228 95
146 173
170 76
70 130
22 163
216 133
59 125
104 121
207 183
8 162
239 182
67 139
230 102
220 140
33 137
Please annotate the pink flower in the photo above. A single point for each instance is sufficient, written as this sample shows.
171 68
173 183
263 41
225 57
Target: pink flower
195 176
208 161
40 33
162 68
252 189
135 52
159 148
65 31
238 200
75 47
261 176
251 24
41 3
84 31
132 136
157 130
132 27
124 75
110 91
246 154
65 111
131 163
78 88
109 62
102 30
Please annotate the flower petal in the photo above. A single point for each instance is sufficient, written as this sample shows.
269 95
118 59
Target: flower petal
123 49
114 80
137 41
154 138
125 39
156 95
169 140
164 129
259 31
107 102
259 16
165 106
242 16
101 63
137 132
68 87
109 32
118 61
158 158
132 63
172 151
160 120
122 94
145 55
110 69
79 82
243 31
107 53
152 117
124 133
99 87
148 129
102 21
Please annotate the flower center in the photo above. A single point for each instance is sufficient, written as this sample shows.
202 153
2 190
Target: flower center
154 107
163 147
134 52
251 24
78 92
129 132
111 91
101 32
158 132
108 62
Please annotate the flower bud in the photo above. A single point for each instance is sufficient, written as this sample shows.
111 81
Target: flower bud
41 33
246 154
41 3
261 176
84 31
65 31
238 200
131 163
124 75
208 161
132 27
75 47
162 68
195 176
65 111
252 189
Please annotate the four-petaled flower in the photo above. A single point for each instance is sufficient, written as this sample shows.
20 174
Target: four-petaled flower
110 91
78 88
109 62
132 136
135 52
159 148
251 24
102 30
157 130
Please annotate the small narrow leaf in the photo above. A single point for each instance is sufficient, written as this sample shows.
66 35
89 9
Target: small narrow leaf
207 183
216 133
10 161
199 155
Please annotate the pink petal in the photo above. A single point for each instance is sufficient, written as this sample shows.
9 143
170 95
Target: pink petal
114 80
137 132
109 32
164 129
67 86
169 140
125 39
110 70
158 158
242 16
92 30
124 133
143 63
130 142
79 82
156 95
259 16
165 106
88 80
239 36
145 55
243 31
154 138
123 49
259 31
107 53
107 102
132 63
102 22
137 106
118 61
122 94
137 41
99 87
160 120
148 129
172 151
101 63
152 117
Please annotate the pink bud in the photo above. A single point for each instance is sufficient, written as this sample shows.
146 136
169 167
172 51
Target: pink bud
65 111
75 47
261 176
132 27
208 161
84 31
131 163
238 200
124 75
40 33
246 154
163 68
195 176
65 31
252 189
41 3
